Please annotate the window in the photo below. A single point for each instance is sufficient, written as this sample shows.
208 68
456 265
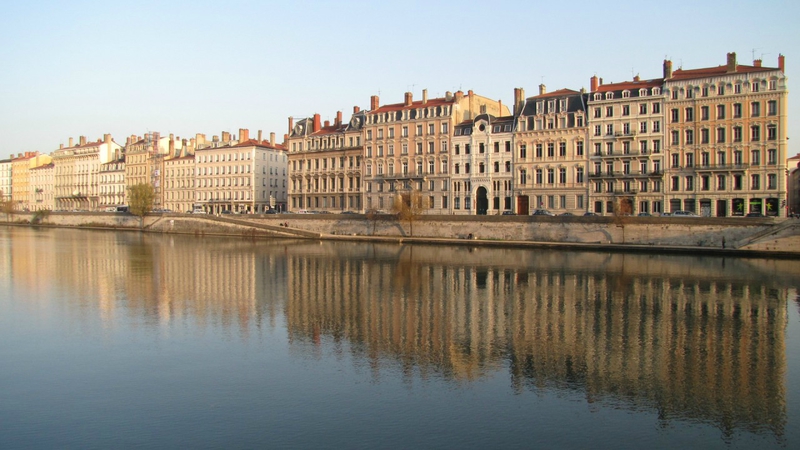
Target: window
704 113
497 147
755 157
675 183
772 108
539 175
496 166
551 176
772 132
598 148
656 146
431 147
754 86
720 111
539 150
689 160
704 159
481 148
755 109
578 121
704 183
419 130
737 134
755 133
675 137
689 92
431 128
523 176
405 132
431 168
737 110
643 147
771 157
676 160
674 115
610 129
579 148
597 113
550 150
523 152
562 149
466 149
704 136
445 128
689 114
597 130
772 181
755 181
721 89
656 126
609 148
656 108
689 136
721 182
609 111
642 127
579 175
720 135
626 110
737 89
737 157
643 108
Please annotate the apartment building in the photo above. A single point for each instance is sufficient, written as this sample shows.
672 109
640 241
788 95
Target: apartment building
551 163
112 183
626 135
179 183
240 176
5 180
325 163
727 144
793 185
41 187
407 146
144 161
21 186
482 176
76 182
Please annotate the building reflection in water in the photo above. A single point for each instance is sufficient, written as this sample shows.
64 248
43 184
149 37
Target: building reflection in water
696 338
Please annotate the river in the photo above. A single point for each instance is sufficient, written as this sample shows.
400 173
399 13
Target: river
123 339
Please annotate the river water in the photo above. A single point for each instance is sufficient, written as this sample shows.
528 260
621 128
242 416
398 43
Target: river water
120 340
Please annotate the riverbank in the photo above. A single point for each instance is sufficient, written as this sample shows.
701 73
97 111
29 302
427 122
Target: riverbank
731 236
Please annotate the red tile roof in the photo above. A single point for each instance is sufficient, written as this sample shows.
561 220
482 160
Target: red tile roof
414 105
557 93
255 143
689 74
630 85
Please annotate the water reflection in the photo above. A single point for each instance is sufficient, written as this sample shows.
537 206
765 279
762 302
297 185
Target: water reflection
695 338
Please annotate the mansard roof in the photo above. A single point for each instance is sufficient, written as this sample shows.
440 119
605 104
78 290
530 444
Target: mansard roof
690 74
575 102
630 85
431 102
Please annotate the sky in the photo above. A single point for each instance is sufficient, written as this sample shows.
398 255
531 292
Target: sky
86 68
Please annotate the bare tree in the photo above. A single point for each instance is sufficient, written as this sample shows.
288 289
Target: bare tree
140 200
408 206
6 207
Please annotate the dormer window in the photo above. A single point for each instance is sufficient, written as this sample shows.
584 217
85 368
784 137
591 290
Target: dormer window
551 106
598 96
539 106
626 94
656 91
642 92
609 95
562 105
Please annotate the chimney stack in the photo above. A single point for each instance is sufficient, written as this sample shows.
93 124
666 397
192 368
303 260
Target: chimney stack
593 84
272 139
338 118
356 109
424 96
291 123
316 123
107 139
409 98
757 63
259 136
226 136
519 99
83 140
636 78
781 63
731 62
542 89
459 95
374 103
327 123
448 96
667 69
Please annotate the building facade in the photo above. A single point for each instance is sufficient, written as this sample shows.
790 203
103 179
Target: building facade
76 182
482 174
551 146
5 180
793 186
112 183
407 147
325 163
179 183
240 176
727 143
626 134
41 188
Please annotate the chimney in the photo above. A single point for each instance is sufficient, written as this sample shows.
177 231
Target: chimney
338 118
667 69
259 136
781 63
60 146
285 138
374 103
291 123
107 139
499 107
272 139
731 62
356 109
127 141
636 78
459 96
470 93
244 135
593 83
83 140
519 99
316 123
226 136
448 96
757 63
409 98
327 123
171 145
542 89
424 96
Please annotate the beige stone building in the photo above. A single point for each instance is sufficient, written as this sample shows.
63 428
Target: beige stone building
727 144
325 163
179 183
41 187
240 176
551 146
5 180
626 145
482 174
112 183
407 146
144 161
77 172
21 180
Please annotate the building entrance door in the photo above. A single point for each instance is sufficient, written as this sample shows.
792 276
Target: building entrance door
483 201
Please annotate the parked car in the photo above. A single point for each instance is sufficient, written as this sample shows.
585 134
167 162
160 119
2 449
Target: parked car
589 214
754 214
684 214
509 213
542 212
644 214
566 214
271 211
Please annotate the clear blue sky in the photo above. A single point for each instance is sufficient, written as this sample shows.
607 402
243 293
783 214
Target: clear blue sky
74 68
